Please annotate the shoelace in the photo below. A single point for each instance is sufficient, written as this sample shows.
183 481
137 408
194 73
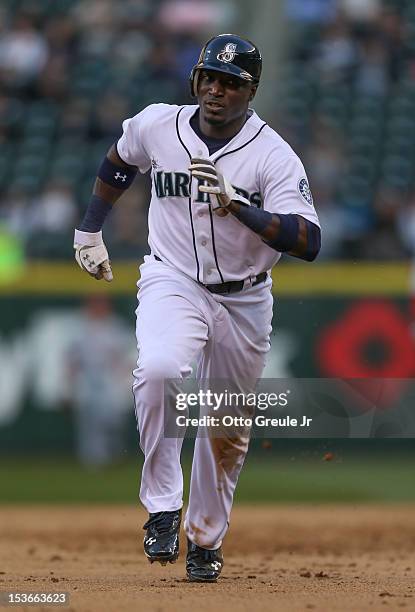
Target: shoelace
163 521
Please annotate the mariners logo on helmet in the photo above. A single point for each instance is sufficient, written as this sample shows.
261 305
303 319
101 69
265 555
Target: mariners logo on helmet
305 191
228 53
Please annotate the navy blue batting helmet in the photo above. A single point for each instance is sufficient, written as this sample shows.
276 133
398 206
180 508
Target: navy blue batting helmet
230 54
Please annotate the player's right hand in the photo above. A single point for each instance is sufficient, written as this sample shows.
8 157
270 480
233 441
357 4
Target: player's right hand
91 255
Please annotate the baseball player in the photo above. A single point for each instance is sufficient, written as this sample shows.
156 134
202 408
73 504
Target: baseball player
229 195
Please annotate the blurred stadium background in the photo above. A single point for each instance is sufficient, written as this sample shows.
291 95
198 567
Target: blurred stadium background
339 85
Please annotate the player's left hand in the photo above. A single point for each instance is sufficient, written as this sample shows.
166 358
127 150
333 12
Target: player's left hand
217 184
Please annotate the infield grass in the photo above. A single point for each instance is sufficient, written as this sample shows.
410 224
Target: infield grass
267 479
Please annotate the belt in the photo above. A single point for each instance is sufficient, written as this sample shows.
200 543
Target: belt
232 286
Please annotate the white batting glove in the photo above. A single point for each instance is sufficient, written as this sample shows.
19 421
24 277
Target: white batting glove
91 255
217 184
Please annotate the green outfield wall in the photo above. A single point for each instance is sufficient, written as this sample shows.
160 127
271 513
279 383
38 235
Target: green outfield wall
330 320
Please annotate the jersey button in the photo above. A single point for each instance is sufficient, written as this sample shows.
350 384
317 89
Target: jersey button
200 214
204 242
209 272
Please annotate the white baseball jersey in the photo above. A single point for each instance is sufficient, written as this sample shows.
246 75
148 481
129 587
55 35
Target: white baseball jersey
183 230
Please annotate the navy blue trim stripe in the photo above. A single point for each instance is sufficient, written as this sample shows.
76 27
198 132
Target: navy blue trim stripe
242 146
120 158
190 196
210 208
213 243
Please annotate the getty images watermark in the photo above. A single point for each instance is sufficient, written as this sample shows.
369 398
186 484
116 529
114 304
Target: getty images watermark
227 400
290 408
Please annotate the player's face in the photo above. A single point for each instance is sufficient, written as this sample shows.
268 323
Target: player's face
223 101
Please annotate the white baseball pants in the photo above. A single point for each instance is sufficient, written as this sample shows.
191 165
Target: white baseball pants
179 322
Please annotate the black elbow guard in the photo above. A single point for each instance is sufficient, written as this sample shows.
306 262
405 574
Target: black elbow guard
313 241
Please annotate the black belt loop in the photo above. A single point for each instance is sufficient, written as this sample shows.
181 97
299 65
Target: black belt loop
230 286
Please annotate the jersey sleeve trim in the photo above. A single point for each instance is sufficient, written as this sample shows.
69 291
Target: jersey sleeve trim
118 153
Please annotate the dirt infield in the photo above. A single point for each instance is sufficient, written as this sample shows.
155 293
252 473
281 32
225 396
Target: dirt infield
287 559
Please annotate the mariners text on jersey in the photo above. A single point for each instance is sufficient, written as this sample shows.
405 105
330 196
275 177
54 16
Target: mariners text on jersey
177 184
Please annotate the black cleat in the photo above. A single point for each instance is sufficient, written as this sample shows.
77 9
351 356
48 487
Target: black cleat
203 565
161 542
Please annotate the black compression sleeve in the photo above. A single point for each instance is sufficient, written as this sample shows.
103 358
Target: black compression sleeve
95 215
